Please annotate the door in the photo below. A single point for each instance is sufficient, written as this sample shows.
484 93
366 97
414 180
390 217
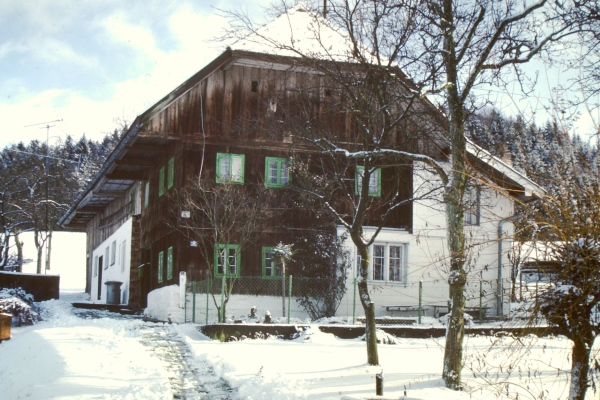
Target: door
100 268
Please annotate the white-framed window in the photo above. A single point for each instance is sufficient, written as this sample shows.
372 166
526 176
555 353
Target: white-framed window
374 181
472 201
230 168
106 256
95 266
388 262
122 255
113 252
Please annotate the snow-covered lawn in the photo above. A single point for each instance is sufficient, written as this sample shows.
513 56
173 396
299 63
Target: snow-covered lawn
67 357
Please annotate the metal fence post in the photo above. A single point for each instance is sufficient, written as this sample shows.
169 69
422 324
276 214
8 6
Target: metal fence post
480 301
194 302
289 300
283 293
222 311
185 310
420 300
208 288
354 302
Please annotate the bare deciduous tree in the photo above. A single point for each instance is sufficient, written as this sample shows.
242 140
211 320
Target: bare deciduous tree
218 215
449 50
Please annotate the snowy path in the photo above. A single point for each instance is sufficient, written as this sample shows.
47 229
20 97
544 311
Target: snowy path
83 355
188 378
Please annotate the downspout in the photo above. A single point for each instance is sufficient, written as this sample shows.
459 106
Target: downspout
500 250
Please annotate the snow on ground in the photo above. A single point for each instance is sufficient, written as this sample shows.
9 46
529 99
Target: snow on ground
68 357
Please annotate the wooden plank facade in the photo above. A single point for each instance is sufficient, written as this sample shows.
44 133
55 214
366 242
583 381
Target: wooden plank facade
241 103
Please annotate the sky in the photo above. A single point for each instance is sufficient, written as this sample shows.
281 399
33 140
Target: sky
85 67
93 64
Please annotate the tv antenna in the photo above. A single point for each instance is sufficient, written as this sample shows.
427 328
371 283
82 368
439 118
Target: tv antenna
46 171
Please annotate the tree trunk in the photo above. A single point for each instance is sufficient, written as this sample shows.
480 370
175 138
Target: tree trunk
49 248
580 365
19 252
39 246
453 199
368 305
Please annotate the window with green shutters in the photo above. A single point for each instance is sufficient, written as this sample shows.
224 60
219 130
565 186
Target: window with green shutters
161 181
170 172
161 260
230 168
132 202
374 181
170 263
277 172
270 267
227 260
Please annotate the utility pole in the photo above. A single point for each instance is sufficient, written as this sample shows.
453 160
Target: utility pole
46 172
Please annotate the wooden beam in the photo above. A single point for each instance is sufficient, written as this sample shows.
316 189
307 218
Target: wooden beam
129 175
136 162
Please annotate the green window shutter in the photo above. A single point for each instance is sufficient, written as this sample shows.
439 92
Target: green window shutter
171 173
237 167
161 181
360 170
132 202
147 194
161 258
375 190
222 167
170 263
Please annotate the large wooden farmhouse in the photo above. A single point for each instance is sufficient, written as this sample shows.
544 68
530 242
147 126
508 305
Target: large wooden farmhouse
232 123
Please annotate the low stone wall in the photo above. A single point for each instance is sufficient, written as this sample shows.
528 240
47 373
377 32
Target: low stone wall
42 287
355 331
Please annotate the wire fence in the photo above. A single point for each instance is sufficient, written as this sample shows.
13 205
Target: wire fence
303 300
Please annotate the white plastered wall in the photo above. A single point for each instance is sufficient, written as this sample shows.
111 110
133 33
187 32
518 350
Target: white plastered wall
426 254
115 268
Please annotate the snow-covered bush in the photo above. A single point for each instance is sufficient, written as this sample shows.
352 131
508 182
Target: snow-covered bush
19 304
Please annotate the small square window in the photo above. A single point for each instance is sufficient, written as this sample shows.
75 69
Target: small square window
277 172
271 269
230 168
227 260
374 181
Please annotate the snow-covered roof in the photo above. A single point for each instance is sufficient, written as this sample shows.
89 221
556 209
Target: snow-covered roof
298 32
530 188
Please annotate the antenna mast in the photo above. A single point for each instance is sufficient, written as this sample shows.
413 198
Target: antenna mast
46 171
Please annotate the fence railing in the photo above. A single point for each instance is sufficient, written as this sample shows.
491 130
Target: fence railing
303 300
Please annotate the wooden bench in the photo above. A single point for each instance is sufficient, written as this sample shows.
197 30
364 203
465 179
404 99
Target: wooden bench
472 311
391 309
390 320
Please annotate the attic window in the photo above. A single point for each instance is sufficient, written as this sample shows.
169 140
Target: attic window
255 86
328 92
